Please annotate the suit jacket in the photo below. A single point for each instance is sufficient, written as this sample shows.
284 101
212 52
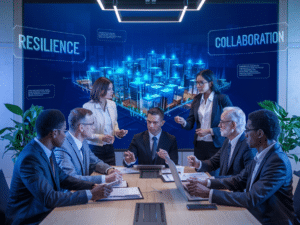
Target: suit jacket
297 200
219 103
100 120
35 190
241 156
69 159
140 146
270 198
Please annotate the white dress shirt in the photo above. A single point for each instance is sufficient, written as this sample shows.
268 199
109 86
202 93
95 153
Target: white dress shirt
204 115
48 153
151 145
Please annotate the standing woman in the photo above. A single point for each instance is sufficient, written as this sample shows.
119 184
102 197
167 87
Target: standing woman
105 120
206 110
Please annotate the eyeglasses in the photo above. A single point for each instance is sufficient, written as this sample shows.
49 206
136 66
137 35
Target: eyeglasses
63 130
247 130
223 121
88 124
201 83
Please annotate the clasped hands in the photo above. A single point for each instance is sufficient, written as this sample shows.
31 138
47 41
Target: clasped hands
119 133
113 175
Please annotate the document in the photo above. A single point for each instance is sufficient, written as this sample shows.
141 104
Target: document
127 170
123 194
180 169
185 176
121 185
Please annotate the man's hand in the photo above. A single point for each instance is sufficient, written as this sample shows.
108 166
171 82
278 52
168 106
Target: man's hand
195 180
121 133
113 170
129 157
100 191
202 132
193 161
162 154
113 177
197 189
107 138
179 120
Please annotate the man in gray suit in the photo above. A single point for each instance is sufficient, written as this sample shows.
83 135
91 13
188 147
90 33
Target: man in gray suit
264 187
235 153
75 157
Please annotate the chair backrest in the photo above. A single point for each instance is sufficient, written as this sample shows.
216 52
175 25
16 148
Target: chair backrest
4 192
297 199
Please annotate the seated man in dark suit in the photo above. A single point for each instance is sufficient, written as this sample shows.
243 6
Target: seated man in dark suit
75 157
144 146
264 187
235 153
37 179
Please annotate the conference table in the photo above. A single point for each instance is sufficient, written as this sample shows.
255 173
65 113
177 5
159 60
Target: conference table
122 212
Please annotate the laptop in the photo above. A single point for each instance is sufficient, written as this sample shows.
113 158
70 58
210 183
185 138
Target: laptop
179 184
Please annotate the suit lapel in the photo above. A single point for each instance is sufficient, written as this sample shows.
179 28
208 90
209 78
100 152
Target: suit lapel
76 150
196 108
236 150
44 156
224 155
214 109
147 146
275 147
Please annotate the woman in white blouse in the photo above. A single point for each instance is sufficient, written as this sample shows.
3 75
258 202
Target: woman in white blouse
206 110
105 120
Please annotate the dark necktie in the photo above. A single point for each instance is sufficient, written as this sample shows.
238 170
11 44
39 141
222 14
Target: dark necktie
52 163
154 147
228 156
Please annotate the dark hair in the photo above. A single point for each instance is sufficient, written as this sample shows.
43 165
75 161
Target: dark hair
48 120
156 111
209 76
100 88
76 115
267 121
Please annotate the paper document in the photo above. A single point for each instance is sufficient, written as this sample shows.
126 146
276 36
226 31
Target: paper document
185 176
127 170
123 192
121 185
180 169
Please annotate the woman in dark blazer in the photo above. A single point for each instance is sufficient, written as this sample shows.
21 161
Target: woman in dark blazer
206 110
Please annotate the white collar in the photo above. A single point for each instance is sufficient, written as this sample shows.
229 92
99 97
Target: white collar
47 151
210 97
235 140
77 142
157 136
260 156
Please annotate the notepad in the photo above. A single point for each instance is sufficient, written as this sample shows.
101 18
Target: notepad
127 170
123 184
124 194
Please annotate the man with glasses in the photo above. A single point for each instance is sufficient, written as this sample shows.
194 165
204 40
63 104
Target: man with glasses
264 187
75 157
235 153
145 147
37 180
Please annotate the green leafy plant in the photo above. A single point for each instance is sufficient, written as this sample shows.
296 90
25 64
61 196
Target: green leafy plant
289 137
23 132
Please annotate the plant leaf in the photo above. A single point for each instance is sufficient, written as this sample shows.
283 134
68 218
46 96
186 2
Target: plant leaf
6 128
14 109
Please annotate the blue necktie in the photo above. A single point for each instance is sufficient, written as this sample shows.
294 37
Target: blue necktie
228 156
154 147
52 163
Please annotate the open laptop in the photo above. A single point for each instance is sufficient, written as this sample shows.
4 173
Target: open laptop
179 184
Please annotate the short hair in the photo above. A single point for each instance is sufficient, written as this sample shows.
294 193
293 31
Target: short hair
156 111
76 115
48 120
238 116
267 121
100 88
209 76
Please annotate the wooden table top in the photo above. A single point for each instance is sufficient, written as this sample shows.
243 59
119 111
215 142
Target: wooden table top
122 212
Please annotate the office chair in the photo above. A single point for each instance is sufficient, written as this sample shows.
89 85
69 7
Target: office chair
4 191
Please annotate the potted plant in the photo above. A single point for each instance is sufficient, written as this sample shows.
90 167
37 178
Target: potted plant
23 132
289 137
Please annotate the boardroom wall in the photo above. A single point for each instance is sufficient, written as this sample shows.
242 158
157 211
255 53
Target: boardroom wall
11 68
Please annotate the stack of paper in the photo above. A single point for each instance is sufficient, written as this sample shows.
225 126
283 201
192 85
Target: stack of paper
185 176
123 194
